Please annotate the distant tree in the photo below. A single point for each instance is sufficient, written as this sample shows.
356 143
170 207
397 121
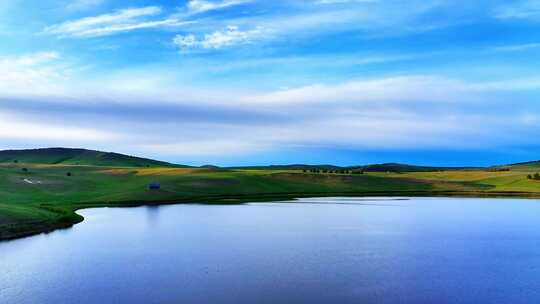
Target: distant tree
537 176
15 161
68 174
529 176
25 169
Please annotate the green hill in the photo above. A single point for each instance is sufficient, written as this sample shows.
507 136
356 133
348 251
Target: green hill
531 165
66 156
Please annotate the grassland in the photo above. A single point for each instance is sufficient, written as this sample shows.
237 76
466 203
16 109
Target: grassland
45 198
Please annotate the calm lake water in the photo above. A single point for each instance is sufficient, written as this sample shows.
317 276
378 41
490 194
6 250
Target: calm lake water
328 250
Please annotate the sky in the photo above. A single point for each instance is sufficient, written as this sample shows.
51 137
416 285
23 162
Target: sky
246 82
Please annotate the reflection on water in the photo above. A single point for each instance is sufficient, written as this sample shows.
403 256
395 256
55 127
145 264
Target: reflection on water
152 214
323 250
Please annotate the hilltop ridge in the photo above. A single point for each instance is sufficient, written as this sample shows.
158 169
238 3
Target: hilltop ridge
69 156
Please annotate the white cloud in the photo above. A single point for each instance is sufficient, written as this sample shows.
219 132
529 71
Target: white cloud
120 21
201 6
219 39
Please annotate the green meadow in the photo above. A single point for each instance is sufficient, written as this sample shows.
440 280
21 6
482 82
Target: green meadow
41 197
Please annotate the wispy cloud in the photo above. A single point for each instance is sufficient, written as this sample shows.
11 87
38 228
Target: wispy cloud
525 9
516 47
344 1
201 6
306 19
31 73
33 59
120 21
425 89
79 5
219 39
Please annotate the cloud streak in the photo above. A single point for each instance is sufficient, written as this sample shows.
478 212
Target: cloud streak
525 9
124 20
79 5
202 6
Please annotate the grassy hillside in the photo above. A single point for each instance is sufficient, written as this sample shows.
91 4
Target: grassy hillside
76 157
45 195
527 166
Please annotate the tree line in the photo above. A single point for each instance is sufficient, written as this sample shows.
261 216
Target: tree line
330 171
535 176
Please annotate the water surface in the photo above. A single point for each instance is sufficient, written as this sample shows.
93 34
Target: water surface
328 250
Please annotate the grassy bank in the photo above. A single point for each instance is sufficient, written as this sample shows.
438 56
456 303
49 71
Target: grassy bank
45 197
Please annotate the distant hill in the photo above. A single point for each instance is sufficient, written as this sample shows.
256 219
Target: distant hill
66 156
394 167
530 165
289 167
388 167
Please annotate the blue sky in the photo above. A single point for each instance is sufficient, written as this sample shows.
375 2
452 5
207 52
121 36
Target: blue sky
242 82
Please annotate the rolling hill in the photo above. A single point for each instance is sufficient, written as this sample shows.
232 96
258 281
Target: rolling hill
531 165
66 156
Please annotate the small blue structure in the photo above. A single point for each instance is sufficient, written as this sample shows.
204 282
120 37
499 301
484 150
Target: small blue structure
154 186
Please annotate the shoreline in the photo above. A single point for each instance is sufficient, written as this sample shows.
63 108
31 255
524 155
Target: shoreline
68 216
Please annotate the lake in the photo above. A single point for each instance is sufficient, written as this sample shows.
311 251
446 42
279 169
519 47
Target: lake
321 250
